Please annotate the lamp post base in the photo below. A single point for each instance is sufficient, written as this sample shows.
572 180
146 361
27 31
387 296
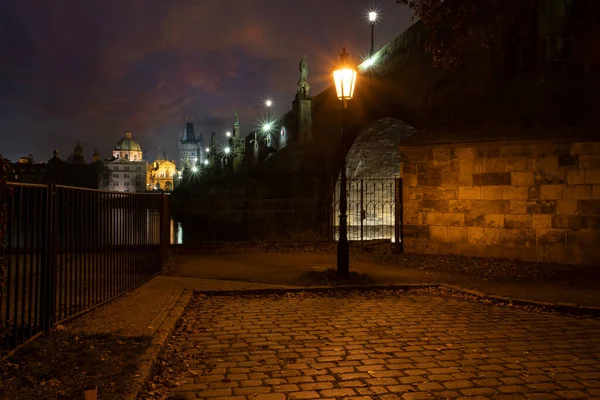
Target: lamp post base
343 257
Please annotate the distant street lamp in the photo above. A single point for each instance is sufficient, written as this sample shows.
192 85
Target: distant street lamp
228 133
267 126
344 78
372 21
227 150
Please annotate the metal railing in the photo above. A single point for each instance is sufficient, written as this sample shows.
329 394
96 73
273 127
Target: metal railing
70 249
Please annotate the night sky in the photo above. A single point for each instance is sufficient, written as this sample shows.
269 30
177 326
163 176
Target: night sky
89 70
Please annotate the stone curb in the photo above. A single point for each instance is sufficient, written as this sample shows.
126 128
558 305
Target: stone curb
166 328
561 308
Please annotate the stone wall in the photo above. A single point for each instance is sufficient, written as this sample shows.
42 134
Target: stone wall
535 200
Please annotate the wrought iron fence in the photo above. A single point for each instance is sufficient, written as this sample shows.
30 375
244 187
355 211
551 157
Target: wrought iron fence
70 249
374 209
255 220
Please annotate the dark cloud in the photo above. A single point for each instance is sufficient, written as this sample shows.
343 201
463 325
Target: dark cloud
89 70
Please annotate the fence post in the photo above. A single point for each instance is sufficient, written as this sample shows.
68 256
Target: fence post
48 286
165 228
398 223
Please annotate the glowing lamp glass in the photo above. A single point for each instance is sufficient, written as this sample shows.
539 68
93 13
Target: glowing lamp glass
228 134
344 78
372 16
268 103
207 150
194 169
205 162
226 150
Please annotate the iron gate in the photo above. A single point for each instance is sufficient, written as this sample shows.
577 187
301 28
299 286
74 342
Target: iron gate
374 210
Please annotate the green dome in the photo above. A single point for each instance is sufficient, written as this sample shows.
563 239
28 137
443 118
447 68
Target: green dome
128 144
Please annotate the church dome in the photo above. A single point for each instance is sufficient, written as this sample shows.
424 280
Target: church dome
128 144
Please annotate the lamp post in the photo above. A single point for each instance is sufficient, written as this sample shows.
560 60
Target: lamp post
344 78
372 21
267 125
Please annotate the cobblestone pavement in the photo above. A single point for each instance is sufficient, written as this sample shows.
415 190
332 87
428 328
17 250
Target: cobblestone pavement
383 345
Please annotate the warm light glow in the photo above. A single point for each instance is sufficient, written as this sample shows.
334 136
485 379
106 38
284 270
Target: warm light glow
228 134
345 78
227 150
194 169
372 16
207 150
205 162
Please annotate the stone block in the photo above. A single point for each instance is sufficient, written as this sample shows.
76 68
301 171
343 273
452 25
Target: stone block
541 221
435 219
487 151
519 237
550 237
469 193
521 178
448 248
557 177
571 222
423 193
516 151
580 148
588 238
525 253
409 180
547 164
562 254
517 164
464 153
489 206
408 167
592 222
494 165
442 154
415 232
591 256
589 207
465 179
438 233
411 218
484 236
589 161
534 192
454 219
491 192
414 153
475 219
457 234
592 176
576 177
551 192
430 247
541 207
478 165
450 179
492 179
459 206
494 220
470 250
566 207
515 193
568 161
433 206
596 192
422 167
577 192
492 251
518 207
432 178
517 221
413 246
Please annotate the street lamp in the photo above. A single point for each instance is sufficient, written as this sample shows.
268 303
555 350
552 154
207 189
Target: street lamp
228 133
344 78
372 21
267 125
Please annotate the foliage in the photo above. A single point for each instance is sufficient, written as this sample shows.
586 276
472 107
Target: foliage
4 193
451 23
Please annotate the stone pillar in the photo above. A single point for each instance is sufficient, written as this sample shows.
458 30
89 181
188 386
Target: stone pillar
239 145
303 107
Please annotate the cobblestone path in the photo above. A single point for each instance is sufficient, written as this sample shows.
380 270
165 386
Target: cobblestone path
386 345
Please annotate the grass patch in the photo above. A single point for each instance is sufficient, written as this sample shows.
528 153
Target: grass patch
62 365
330 277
